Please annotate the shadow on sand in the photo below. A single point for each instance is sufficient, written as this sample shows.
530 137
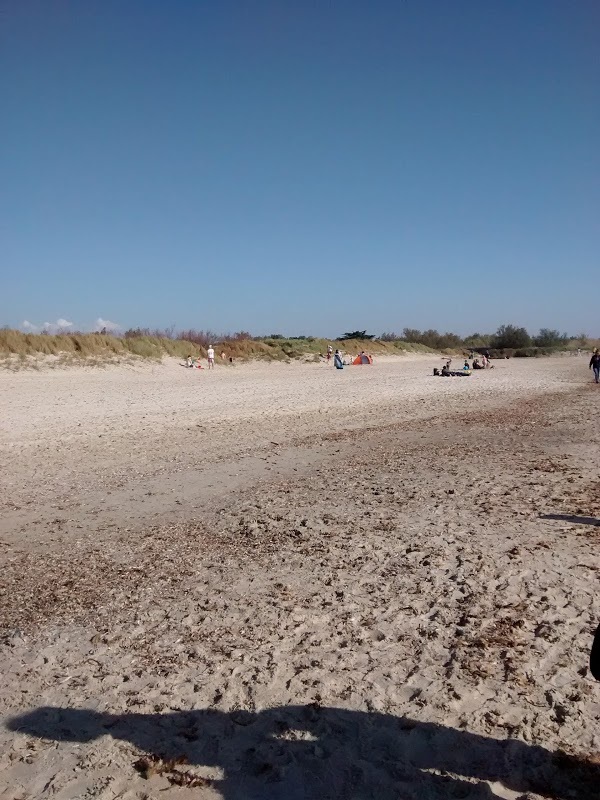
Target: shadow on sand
302 752
572 518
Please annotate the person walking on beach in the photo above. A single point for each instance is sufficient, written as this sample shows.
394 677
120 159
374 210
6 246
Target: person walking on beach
211 357
595 365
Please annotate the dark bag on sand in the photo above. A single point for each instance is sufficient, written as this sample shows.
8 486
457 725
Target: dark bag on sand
595 656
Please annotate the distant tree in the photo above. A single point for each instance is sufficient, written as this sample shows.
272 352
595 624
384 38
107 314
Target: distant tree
478 340
510 336
432 338
450 341
355 335
582 340
390 337
550 338
411 335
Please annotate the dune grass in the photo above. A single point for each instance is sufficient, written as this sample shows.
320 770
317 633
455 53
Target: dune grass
18 349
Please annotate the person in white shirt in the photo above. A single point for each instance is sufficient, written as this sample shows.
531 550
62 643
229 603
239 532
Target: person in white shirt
211 357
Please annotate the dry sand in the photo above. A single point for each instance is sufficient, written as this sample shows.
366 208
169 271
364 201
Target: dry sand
285 581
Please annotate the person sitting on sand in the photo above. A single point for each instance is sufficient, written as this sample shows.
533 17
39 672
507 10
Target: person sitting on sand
189 362
337 360
466 366
446 370
476 364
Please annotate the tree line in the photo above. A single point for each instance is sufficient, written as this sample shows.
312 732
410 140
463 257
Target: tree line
507 337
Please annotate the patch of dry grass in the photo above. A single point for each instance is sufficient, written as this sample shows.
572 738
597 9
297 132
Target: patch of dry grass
33 350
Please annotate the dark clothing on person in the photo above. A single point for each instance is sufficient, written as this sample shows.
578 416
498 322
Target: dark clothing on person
595 365
595 656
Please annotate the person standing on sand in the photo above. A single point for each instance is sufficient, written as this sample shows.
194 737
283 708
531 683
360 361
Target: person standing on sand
595 656
595 365
211 357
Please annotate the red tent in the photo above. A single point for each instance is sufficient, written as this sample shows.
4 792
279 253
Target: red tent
363 358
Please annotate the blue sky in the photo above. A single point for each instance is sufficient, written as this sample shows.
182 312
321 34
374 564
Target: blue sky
303 167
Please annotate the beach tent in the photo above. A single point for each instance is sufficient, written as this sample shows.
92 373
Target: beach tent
363 358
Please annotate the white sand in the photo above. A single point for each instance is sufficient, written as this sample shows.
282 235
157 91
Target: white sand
310 583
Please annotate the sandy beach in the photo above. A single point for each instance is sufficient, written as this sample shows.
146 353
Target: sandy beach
287 581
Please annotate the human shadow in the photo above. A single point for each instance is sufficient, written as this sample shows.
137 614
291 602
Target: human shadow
316 753
572 518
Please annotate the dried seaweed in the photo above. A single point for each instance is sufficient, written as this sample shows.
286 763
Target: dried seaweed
151 765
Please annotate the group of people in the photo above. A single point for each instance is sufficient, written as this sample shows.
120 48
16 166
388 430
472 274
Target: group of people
210 354
447 370
210 357
485 363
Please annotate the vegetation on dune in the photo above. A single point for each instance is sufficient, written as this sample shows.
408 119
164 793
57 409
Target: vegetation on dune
18 348
511 338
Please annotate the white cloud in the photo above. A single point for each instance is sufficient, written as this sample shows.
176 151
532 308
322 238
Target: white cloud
55 327
102 324
61 324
